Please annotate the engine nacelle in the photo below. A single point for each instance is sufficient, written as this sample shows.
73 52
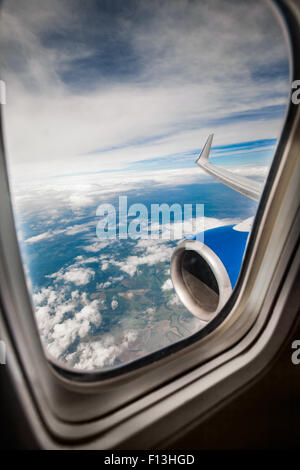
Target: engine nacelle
204 275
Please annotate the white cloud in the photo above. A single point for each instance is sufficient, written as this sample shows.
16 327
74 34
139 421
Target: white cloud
174 300
77 276
65 333
58 334
116 279
182 229
167 285
103 285
155 252
96 246
185 93
103 353
151 251
50 307
38 238
80 260
67 316
79 201
251 171
150 310
75 229
50 234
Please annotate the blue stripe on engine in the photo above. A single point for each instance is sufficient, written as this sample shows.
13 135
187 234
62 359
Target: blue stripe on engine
229 245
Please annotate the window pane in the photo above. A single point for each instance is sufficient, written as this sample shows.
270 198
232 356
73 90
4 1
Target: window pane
108 105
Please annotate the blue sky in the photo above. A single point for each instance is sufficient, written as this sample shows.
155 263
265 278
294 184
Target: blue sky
256 153
112 85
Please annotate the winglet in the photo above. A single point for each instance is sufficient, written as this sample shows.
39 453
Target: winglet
206 149
245 186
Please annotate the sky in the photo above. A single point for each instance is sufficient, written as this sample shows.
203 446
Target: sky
110 86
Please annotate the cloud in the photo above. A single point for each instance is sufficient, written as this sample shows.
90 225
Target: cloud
49 235
96 246
104 285
147 92
174 300
69 320
186 228
153 252
77 276
80 260
40 237
45 294
167 285
116 279
75 229
150 252
50 198
103 353
65 333
58 333
104 265
249 171
79 201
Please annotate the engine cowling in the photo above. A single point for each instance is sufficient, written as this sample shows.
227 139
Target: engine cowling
204 274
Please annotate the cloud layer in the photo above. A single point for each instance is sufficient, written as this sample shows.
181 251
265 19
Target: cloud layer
109 86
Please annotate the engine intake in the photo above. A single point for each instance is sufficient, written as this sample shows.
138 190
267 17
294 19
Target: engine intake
200 279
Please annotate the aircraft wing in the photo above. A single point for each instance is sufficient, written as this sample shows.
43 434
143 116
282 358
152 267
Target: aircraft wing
245 186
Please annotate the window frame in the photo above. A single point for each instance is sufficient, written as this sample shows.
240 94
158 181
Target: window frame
105 409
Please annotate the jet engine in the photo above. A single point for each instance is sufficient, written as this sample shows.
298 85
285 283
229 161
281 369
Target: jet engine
204 274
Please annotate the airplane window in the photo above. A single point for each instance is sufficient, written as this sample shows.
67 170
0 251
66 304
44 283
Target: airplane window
130 240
